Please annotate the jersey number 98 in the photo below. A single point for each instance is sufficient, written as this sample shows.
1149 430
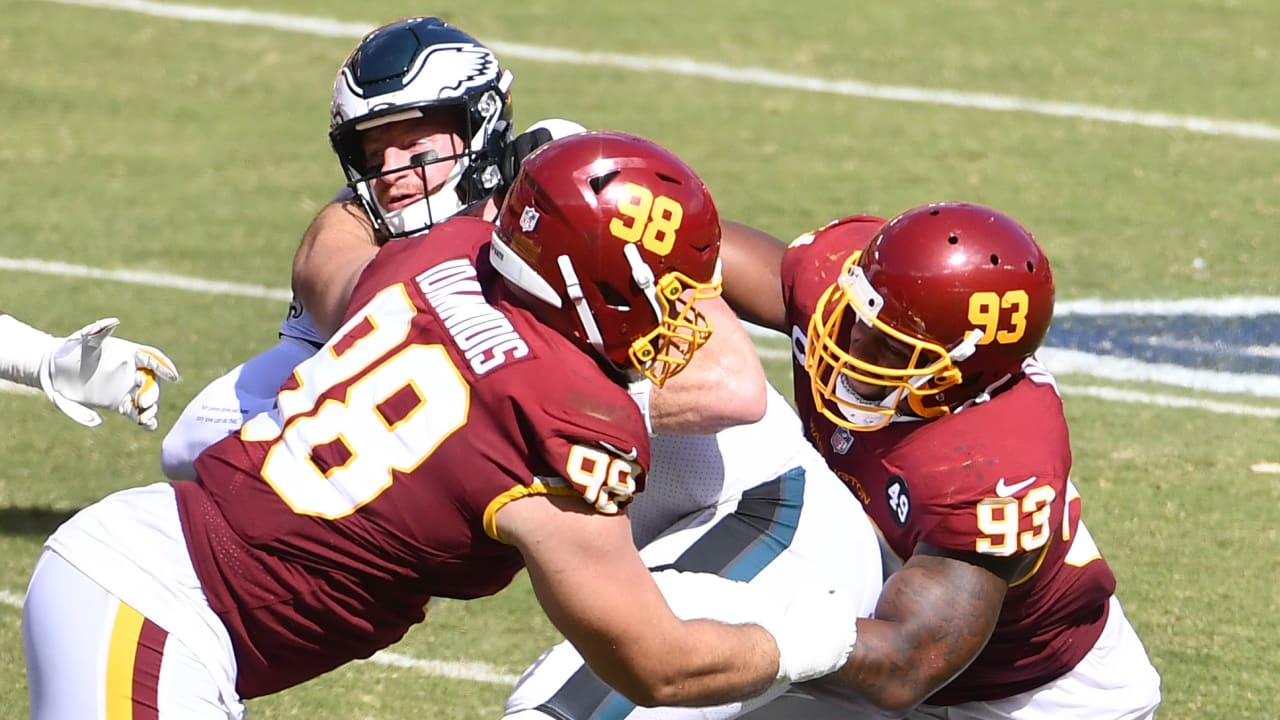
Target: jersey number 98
365 408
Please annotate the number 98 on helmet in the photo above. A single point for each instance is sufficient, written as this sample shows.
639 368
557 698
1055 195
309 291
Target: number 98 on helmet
617 240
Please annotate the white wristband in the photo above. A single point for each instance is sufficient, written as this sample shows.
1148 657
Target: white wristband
22 350
814 635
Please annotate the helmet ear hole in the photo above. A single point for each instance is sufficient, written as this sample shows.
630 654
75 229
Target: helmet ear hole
600 182
612 297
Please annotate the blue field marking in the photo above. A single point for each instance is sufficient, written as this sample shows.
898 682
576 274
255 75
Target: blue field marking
1193 346
1225 344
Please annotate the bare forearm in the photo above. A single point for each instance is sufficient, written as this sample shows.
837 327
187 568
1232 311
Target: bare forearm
338 243
703 663
752 262
925 633
609 606
723 386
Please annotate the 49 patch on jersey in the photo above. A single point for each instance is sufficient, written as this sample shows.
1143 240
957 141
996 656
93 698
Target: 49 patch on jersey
899 499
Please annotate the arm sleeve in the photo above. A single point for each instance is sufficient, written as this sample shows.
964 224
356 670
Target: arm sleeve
224 404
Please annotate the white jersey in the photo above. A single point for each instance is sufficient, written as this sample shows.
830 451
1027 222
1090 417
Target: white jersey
688 473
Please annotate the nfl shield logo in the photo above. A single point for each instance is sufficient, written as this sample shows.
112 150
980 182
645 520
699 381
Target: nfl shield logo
528 219
841 441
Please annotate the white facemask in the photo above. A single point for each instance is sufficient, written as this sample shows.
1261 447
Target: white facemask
422 214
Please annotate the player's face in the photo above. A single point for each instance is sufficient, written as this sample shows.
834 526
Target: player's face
876 348
390 147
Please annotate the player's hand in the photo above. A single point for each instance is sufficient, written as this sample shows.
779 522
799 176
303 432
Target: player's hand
815 633
815 630
538 134
90 369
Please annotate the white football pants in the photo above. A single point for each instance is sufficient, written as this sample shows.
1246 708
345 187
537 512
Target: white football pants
801 524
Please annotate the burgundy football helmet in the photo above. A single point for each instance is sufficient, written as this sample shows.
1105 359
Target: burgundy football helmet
618 239
941 308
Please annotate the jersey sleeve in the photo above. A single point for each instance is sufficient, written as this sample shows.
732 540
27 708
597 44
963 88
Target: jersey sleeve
586 439
298 325
812 262
999 525
594 442
227 402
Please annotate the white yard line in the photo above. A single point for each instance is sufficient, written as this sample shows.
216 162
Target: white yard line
1169 401
759 77
455 670
16 389
770 344
146 279
1238 306
1061 361
10 599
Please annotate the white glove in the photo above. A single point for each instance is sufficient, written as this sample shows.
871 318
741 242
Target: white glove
815 632
91 369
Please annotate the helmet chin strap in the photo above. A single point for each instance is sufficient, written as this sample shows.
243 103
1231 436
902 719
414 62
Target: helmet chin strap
866 418
574 289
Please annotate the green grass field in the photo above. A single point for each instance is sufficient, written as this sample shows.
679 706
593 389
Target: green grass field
163 150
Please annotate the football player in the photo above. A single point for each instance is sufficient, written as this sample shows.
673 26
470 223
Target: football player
915 377
467 420
754 503
438 104
87 369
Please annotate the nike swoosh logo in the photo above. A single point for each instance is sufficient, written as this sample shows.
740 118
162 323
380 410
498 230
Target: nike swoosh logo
1004 490
628 456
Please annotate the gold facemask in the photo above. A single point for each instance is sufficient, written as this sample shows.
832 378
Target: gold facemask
665 351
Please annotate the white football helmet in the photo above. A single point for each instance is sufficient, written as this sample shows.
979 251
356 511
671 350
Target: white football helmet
414 68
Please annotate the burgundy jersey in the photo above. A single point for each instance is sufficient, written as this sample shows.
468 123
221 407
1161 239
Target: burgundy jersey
321 530
991 479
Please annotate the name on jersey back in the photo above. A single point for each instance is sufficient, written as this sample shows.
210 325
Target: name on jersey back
483 334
